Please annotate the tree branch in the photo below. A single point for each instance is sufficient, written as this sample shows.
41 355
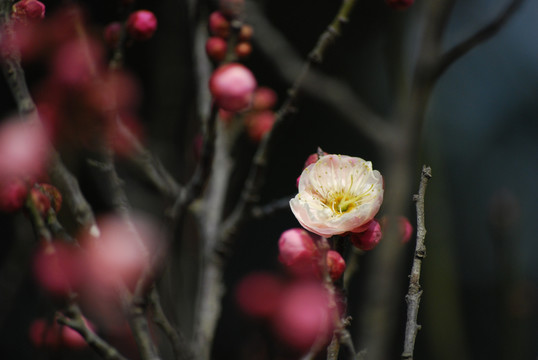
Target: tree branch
179 345
76 322
325 89
413 295
480 36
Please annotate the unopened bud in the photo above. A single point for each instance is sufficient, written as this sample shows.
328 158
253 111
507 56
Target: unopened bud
367 240
335 264
141 25
259 124
219 25
232 86
298 252
216 48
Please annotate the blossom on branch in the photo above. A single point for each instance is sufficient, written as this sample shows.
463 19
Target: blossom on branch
337 194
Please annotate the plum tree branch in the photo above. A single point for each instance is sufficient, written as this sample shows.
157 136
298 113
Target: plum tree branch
414 293
477 38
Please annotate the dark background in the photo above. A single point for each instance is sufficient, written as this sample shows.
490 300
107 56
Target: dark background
479 137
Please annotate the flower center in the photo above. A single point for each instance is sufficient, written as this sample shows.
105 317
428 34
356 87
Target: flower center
345 201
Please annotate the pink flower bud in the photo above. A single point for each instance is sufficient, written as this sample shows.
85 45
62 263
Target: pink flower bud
312 158
367 240
12 194
400 4
258 294
219 25
29 9
141 25
259 124
232 86
304 316
298 252
335 264
112 34
264 98
405 228
243 49
216 48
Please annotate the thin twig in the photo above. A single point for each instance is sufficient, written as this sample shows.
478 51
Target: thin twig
413 295
179 345
321 87
76 322
480 36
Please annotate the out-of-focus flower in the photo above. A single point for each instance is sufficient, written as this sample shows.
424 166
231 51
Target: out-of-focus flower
53 335
259 123
337 194
57 268
264 98
24 149
304 316
258 294
216 48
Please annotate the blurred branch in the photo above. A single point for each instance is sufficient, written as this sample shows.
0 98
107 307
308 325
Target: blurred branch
413 295
477 38
179 345
325 89
76 322
262 211
196 184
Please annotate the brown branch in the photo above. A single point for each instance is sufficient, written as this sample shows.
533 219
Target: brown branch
480 36
196 184
179 345
76 322
413 295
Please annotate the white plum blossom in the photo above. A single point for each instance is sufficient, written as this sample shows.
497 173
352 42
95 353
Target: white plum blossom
337 194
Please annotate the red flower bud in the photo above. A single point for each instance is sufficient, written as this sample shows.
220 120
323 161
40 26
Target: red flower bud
219 25
231 8
232 86
40 200
29 10
259 124
12 194
141 25
367 240
264 98
400 4
112 34
216 48
335 264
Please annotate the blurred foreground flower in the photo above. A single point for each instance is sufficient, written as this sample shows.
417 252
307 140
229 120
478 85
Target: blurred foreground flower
338 194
